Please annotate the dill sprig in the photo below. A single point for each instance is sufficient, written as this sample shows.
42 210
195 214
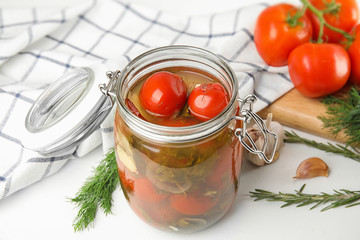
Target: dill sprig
343 114
346 151
96 192
339 198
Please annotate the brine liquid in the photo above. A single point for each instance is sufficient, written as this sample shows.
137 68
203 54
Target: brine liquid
192 79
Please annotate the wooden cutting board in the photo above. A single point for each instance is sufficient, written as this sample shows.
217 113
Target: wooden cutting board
300 112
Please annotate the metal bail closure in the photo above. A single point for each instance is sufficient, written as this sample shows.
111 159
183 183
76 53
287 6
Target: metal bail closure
67 112
246 115
108 89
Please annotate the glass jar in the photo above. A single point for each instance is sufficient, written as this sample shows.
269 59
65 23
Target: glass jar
180 178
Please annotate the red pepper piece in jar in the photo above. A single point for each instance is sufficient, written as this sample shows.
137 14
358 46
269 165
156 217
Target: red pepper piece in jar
126 181
133 108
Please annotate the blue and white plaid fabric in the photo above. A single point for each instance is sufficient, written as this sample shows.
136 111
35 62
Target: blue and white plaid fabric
38 45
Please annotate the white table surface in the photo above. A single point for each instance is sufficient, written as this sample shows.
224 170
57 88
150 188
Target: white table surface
42 211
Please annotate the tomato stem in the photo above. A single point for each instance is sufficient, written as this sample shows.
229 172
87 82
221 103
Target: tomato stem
293 21
333 8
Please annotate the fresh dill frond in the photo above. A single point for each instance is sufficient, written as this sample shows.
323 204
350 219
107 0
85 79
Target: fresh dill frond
343 114
96 192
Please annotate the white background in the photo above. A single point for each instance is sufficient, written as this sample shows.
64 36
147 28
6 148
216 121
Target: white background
42 211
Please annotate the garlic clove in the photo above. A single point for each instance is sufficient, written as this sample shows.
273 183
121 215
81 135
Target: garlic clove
257 136
124 151
312 167
126 159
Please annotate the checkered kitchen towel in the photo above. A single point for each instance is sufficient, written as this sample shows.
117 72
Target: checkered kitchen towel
38 45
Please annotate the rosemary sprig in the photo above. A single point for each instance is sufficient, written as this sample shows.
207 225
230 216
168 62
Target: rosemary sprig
96 192
346 151
339 198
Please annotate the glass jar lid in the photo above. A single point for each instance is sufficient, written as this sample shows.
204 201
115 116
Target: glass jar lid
67 111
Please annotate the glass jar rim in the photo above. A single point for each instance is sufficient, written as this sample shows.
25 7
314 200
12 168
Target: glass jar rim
168 134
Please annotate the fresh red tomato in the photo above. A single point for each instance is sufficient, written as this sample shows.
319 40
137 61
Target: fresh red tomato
192 204
163 94
275 38
319 69
207 101
344 18
354 54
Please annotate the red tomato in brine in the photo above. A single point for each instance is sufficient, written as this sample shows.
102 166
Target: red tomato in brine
275 38
192 204
145 192
207 101
222 172
163 94
156 214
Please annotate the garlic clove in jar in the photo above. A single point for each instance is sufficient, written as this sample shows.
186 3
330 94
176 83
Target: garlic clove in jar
257 136
312 167
124 152
126 159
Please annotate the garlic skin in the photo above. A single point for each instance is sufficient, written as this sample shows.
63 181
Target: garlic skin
258 138
312 167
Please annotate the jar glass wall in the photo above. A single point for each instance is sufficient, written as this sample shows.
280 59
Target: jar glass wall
178 178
